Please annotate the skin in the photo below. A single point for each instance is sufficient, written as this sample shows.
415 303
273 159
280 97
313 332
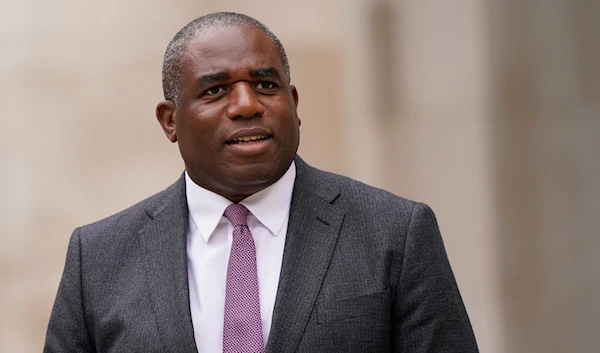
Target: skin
233 86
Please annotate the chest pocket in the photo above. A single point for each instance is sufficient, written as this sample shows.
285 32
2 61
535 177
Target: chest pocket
364 305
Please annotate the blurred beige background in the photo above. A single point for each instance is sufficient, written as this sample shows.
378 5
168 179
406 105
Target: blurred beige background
489 111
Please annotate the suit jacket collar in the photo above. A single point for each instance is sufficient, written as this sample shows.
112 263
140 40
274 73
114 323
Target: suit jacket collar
312 234
163 241
313 231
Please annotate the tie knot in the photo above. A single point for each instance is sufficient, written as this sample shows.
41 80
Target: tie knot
237 214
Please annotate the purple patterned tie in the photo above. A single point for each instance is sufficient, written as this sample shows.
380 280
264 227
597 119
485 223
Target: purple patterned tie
242 326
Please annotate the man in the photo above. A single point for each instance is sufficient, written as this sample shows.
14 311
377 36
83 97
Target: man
252 249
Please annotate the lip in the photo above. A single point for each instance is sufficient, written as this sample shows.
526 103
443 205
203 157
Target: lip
251 148
247 133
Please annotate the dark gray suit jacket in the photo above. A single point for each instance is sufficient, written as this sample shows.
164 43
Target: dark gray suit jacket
363 271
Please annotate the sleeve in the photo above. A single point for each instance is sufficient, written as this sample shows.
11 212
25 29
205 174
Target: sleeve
429 315
67 330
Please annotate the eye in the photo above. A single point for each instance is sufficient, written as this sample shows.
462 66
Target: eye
266 85
215 90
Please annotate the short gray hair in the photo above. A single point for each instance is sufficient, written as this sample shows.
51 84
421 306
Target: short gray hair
172 69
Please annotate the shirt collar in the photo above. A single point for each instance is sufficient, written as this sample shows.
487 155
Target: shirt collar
270 206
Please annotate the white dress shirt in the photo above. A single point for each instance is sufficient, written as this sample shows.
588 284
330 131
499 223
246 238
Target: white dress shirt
208 245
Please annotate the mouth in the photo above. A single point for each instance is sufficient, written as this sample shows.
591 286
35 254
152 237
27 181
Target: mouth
249 139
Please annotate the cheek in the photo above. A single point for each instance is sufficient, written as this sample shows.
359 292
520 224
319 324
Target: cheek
201 126
284 111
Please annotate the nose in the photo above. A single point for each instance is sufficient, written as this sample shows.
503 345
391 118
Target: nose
244 102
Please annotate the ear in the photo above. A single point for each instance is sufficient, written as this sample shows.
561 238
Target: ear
166 115
295 96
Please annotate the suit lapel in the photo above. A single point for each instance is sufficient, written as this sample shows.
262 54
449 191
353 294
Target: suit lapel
311 238
163 241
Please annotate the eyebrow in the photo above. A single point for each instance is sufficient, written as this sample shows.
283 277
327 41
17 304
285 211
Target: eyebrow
211 78
265 72
220 76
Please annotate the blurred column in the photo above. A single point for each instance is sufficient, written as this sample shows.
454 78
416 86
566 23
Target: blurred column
547 147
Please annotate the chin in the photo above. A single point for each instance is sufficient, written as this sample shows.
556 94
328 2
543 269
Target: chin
258 175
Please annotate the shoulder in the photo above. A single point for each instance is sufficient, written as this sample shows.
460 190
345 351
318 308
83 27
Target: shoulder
366 206
358 197
134 217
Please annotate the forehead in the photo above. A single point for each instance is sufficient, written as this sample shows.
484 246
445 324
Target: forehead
229 49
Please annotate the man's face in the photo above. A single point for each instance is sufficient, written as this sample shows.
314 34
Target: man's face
236 122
